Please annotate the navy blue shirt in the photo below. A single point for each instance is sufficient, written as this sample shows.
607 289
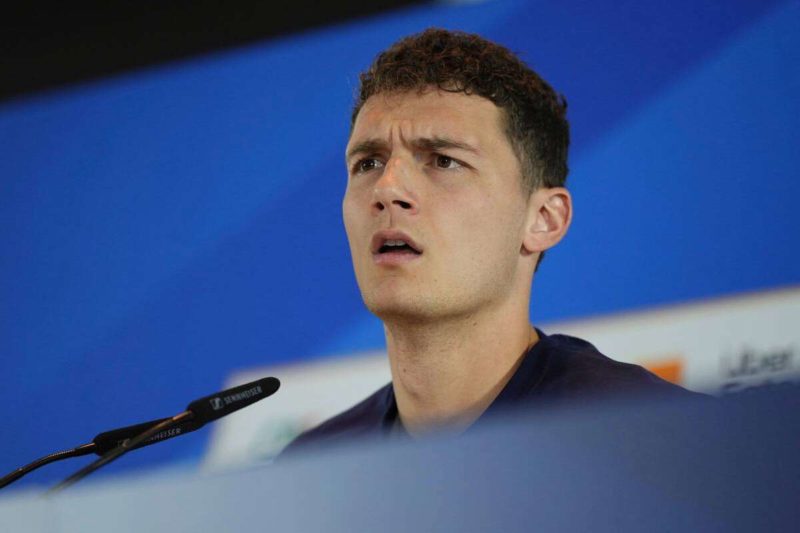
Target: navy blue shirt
558 368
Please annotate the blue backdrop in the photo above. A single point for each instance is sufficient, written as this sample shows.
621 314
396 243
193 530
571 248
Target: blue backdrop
162 228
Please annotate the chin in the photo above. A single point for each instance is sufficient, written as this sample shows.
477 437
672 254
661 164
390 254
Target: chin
388 309
412 310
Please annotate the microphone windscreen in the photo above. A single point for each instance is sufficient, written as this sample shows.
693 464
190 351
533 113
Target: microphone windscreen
223 403
109 440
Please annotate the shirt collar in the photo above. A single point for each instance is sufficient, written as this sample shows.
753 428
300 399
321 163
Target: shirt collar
524 381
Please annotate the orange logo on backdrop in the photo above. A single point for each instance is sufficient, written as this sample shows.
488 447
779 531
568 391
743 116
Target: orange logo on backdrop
667 368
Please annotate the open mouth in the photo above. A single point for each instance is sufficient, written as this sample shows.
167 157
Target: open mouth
394 248
397 246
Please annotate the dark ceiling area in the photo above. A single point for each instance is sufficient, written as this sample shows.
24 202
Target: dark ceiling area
45 47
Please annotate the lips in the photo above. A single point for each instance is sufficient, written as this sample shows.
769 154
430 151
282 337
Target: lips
394 247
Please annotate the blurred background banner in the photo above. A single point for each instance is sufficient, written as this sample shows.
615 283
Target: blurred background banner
719 346
176 227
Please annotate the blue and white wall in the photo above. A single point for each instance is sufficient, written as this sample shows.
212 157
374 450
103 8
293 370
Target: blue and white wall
163 230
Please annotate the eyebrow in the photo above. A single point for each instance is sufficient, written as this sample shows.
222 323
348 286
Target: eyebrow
434 144
370 146
427 144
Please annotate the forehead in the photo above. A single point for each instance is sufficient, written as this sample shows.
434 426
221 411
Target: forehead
433 113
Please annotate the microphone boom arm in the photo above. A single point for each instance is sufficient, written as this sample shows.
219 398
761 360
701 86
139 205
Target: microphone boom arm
126 446
83 449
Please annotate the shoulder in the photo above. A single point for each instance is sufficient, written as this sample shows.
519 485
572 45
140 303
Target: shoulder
365 418
577 367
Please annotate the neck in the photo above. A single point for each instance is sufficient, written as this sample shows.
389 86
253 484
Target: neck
447 373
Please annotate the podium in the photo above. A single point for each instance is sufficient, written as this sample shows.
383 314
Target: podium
730 464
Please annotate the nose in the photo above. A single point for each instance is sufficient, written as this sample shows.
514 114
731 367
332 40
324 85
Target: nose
393 190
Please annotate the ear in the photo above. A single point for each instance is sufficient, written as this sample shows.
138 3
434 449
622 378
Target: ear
549 217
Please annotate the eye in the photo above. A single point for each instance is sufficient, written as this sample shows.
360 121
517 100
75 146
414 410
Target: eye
365 165
445 162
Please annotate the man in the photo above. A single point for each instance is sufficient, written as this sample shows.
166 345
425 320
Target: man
456 167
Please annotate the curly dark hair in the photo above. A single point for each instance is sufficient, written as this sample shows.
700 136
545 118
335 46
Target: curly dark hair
453 61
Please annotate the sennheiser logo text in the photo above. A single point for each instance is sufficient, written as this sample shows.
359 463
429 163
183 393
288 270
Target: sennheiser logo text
244 395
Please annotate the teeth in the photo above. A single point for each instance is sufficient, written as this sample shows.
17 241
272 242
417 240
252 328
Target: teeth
395 243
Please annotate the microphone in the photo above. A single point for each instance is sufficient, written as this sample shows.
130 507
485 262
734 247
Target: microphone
197 414
204 410
223 403
108 440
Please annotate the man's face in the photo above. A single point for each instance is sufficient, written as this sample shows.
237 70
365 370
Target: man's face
437 172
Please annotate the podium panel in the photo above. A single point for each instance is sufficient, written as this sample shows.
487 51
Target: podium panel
729 464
